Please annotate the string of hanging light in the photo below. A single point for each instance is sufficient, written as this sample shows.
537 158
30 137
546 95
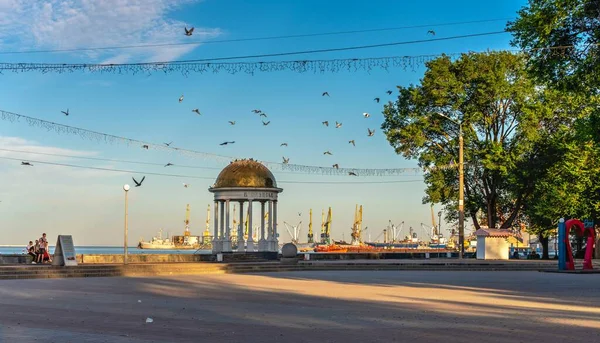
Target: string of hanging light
298 168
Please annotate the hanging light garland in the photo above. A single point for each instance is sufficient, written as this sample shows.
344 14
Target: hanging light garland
113 139
188 67
215 65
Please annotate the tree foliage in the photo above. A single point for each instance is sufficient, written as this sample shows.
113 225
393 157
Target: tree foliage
575 24
570 188
505 119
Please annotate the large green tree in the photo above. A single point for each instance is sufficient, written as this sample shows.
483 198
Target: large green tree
566 189
504 116
562 38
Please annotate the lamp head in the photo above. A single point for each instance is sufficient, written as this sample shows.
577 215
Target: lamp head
126 187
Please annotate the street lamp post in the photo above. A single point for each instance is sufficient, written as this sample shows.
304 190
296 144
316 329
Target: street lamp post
461 196
126 189
461 188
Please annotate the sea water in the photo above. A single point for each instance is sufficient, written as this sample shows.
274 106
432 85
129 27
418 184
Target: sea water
105 250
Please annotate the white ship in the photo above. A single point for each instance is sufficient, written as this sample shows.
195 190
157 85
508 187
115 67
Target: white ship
185 242
157 243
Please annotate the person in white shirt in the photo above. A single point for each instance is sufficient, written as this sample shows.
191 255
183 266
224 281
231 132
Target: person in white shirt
43 246
31 251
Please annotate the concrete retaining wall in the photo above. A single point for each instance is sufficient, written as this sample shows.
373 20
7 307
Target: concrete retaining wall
15 259
383 256
138 258
151 258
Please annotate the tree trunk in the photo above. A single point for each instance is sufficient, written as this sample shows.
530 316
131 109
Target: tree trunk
518 206
475 221
544 242
491 209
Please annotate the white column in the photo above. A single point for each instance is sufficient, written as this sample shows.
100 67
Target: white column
240 241
227 238
222 221
262 243
275 238
270 237
270 223
215 244
250 242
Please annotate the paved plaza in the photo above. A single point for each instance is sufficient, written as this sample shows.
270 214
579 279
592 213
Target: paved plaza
325 306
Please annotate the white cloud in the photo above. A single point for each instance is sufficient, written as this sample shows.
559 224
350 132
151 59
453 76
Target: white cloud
17 148
17 145
72 24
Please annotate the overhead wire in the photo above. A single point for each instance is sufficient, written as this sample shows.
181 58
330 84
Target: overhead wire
216 65
237 40
109 138
194 176
299 52
175 165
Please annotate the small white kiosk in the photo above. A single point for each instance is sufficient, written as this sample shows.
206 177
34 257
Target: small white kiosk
492 244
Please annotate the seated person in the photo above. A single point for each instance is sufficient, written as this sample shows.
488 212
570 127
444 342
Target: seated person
31 250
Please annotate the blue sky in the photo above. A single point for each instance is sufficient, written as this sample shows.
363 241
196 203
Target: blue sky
88 203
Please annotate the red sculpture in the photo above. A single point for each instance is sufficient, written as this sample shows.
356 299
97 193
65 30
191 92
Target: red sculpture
589 250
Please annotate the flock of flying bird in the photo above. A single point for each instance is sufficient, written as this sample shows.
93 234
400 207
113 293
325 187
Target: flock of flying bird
338 125
261 114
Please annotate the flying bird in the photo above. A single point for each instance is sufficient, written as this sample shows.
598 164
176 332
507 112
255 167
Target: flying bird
283 144
225 143
286 160
266 123
137 184
366 115
232 122
185 185
325 94
196 110
168 164
168 144
189 32
351 142
181 98
376 100
299 214
26 164
352 174
257 111
338 125
371 132
389 92
336 166
262 114
326 123
431 32
66 113
327 153
145 146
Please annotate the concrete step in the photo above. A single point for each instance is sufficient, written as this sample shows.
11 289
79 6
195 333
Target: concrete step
198 268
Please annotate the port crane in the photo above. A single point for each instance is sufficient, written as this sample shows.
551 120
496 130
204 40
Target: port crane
326 227
395 231
186 231
310 230
206 236
294 232
436 237
356 227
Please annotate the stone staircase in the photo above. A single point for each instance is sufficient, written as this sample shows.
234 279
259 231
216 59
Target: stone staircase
425 266
98 270
197 268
